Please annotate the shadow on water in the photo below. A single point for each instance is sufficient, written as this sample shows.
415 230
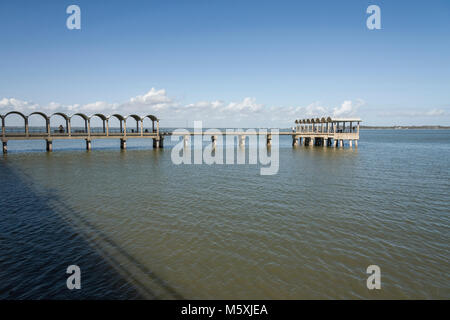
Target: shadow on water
37 245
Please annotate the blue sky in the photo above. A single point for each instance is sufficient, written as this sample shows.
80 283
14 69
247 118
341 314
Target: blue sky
244 63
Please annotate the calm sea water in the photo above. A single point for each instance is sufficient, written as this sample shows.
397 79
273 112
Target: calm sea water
141 227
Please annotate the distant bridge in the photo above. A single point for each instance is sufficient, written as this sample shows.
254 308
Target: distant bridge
308 132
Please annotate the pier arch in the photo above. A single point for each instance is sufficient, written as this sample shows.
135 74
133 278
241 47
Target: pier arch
15 122
79 123
116 124
57 121
150 123
38 123
98 124
133 127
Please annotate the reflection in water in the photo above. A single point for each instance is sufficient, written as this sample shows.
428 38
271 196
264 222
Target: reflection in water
224 231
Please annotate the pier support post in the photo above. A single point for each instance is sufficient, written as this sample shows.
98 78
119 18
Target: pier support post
350 143
294 141
88 144
269 139
186 139
161 141
242 141
214 141
49 145
5 146
341 143
123 144
335 143
356 143
155 143
324 142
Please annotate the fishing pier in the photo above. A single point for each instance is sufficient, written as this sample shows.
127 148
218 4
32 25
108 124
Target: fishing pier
326 132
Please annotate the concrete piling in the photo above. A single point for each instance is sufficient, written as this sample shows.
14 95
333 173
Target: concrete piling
5 146
88 144
49 145
123 144
155 143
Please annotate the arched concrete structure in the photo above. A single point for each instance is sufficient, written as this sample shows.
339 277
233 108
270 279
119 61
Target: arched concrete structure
139 124
66 119
121 124
46 119
24 117
153 119
86 123
84 132
103 129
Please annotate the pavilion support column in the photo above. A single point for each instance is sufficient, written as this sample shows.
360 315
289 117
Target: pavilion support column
269 140
5 146
69 127
123 144
27 129
88 144
49 145
294 141
241 141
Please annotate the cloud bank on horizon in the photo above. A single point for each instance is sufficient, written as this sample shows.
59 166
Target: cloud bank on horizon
245 113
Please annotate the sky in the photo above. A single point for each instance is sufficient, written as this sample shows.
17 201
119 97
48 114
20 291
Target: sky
229 63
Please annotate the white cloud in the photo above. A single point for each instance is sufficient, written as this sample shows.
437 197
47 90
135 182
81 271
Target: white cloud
7 105
245 113
348 108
